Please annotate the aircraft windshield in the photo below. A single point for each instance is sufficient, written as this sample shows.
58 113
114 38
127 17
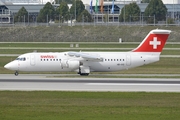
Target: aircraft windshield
21 59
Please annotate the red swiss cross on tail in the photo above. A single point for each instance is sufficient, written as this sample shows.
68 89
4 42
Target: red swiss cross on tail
154 41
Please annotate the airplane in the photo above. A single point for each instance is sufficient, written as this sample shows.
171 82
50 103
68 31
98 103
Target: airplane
83 63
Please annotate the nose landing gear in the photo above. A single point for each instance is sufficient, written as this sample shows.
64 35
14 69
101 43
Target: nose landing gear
16 73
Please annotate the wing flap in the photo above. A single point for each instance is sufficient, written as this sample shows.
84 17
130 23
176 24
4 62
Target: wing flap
86 56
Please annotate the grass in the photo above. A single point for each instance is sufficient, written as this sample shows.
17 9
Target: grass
22 51
170 52
81 45
67 45
88 105
81 34
21 48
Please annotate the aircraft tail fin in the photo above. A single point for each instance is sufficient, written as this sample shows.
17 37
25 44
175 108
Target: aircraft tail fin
154 41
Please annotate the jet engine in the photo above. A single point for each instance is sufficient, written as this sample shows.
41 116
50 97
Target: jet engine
73 65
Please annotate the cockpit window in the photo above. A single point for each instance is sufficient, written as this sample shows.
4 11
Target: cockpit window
21 59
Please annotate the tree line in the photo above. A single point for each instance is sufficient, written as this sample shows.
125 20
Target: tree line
48 12
154 12
130 12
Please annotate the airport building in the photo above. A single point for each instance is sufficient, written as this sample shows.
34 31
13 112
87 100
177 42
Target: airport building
8 8
171 1
88 2
173 8
127 1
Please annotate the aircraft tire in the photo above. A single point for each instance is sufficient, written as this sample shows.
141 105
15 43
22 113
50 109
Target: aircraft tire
84 74
16 73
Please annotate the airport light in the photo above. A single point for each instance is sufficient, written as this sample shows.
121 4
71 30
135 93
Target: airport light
94 21
13 19
130 19
24 21
87 19
59 21
18 18
83 19
75 10
124 12
166 20
47 20
62 19
173 9
71 19
36 20
28 18
1 21
154 19
142 19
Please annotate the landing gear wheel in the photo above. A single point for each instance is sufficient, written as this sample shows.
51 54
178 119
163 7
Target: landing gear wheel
84 70
16 73
84 74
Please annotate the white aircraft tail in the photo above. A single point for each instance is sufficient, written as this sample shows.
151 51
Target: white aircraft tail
154 42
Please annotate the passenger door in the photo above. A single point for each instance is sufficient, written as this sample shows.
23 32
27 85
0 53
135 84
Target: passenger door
32 60
128 60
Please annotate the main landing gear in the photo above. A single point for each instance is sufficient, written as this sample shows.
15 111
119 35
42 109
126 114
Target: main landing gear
84 70
16 73
84 74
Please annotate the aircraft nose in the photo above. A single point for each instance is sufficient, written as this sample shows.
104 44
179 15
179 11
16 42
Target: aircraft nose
7 66
11 66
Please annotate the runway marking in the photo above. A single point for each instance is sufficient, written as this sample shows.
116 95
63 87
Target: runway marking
132 84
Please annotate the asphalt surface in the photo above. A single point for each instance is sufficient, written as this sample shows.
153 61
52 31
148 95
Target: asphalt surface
42 82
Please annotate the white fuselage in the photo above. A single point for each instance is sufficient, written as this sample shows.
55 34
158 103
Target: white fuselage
111 61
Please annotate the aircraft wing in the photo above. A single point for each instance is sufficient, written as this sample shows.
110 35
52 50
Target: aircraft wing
86 56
